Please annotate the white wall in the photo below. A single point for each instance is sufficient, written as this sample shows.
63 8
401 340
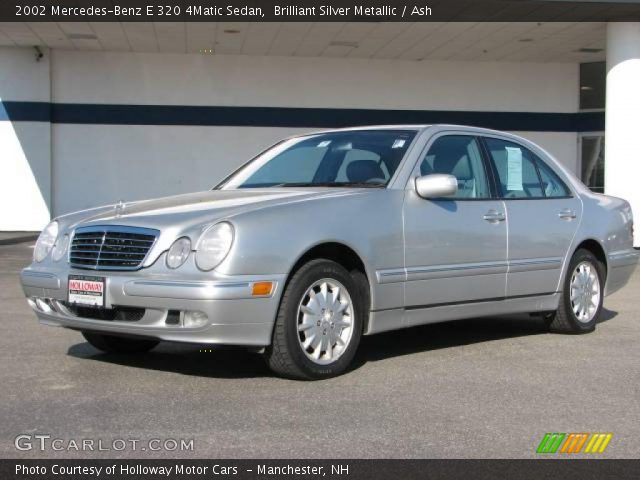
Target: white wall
90 165
109 163
106 164
96 164
623 115
179 79
25 147
562 145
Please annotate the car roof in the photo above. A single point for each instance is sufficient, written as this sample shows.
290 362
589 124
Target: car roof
415 127
366 127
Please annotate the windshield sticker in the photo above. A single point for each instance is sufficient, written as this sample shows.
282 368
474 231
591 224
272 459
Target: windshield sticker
399 143
514 168
345 146
324 143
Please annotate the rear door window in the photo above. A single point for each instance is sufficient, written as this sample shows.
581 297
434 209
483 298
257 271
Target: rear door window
552 185
517 171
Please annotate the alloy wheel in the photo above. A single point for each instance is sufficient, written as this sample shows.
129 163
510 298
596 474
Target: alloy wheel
584 292
325 321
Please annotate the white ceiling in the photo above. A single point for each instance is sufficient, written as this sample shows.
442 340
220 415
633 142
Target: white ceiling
503 41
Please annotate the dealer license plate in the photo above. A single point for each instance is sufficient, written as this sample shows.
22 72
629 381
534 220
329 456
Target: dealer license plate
87 290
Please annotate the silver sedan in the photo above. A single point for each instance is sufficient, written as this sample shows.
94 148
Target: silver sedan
329 236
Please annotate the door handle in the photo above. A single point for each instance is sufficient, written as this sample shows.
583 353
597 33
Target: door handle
493 216
567 214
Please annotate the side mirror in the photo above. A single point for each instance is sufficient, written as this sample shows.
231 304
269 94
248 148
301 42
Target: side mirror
436 185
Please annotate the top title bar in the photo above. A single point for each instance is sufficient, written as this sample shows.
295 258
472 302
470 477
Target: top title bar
318 10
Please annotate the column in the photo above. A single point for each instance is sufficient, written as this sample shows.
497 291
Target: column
622 136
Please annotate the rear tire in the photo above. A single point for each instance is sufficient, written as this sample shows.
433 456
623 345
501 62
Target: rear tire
582 295
319 322
112 344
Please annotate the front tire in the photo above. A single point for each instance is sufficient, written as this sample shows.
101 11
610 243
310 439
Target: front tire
112 344
319 323
582 295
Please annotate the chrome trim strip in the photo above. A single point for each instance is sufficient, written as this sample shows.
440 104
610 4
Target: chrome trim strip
531 264
450 268
117 229
459 270
193 290
621 258
530 261
35 273
624 253
34 278
394 275
190 284
391 275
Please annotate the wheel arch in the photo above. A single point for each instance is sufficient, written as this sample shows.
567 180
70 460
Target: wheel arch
595 247
591 244
343 255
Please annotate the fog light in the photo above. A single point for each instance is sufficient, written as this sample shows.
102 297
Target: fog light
194 319
173 317
42 305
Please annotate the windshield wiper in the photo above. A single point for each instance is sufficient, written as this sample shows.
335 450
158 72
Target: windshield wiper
330 184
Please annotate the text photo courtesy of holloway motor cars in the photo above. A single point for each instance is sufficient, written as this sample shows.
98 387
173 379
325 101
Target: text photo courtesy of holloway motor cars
319 239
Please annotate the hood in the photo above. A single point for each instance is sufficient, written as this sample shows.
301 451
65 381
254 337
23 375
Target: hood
190 214
187 209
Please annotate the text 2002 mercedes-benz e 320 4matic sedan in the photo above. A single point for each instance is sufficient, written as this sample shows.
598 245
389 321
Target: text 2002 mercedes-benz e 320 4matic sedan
329 236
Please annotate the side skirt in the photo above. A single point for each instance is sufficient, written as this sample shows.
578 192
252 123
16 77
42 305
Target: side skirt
394 319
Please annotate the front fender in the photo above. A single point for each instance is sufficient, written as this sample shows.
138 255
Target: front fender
271 240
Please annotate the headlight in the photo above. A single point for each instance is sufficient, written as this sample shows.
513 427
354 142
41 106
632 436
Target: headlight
214 245
60 248
45 242
179 252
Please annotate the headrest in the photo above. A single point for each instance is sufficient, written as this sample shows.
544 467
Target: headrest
451 158
364 170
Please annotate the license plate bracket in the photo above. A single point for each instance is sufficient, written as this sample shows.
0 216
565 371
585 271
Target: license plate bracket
87 290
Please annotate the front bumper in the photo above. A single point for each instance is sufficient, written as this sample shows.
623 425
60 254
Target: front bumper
234 315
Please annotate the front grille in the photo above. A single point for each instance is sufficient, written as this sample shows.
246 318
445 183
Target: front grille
119 314
111 247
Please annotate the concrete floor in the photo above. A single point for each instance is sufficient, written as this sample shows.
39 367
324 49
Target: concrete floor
469 389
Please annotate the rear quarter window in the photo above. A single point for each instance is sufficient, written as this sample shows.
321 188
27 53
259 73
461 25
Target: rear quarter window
552 184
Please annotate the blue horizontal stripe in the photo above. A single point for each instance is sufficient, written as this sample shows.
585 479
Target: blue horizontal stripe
25 111
101 114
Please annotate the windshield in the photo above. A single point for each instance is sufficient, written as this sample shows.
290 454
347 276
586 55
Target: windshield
359 158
